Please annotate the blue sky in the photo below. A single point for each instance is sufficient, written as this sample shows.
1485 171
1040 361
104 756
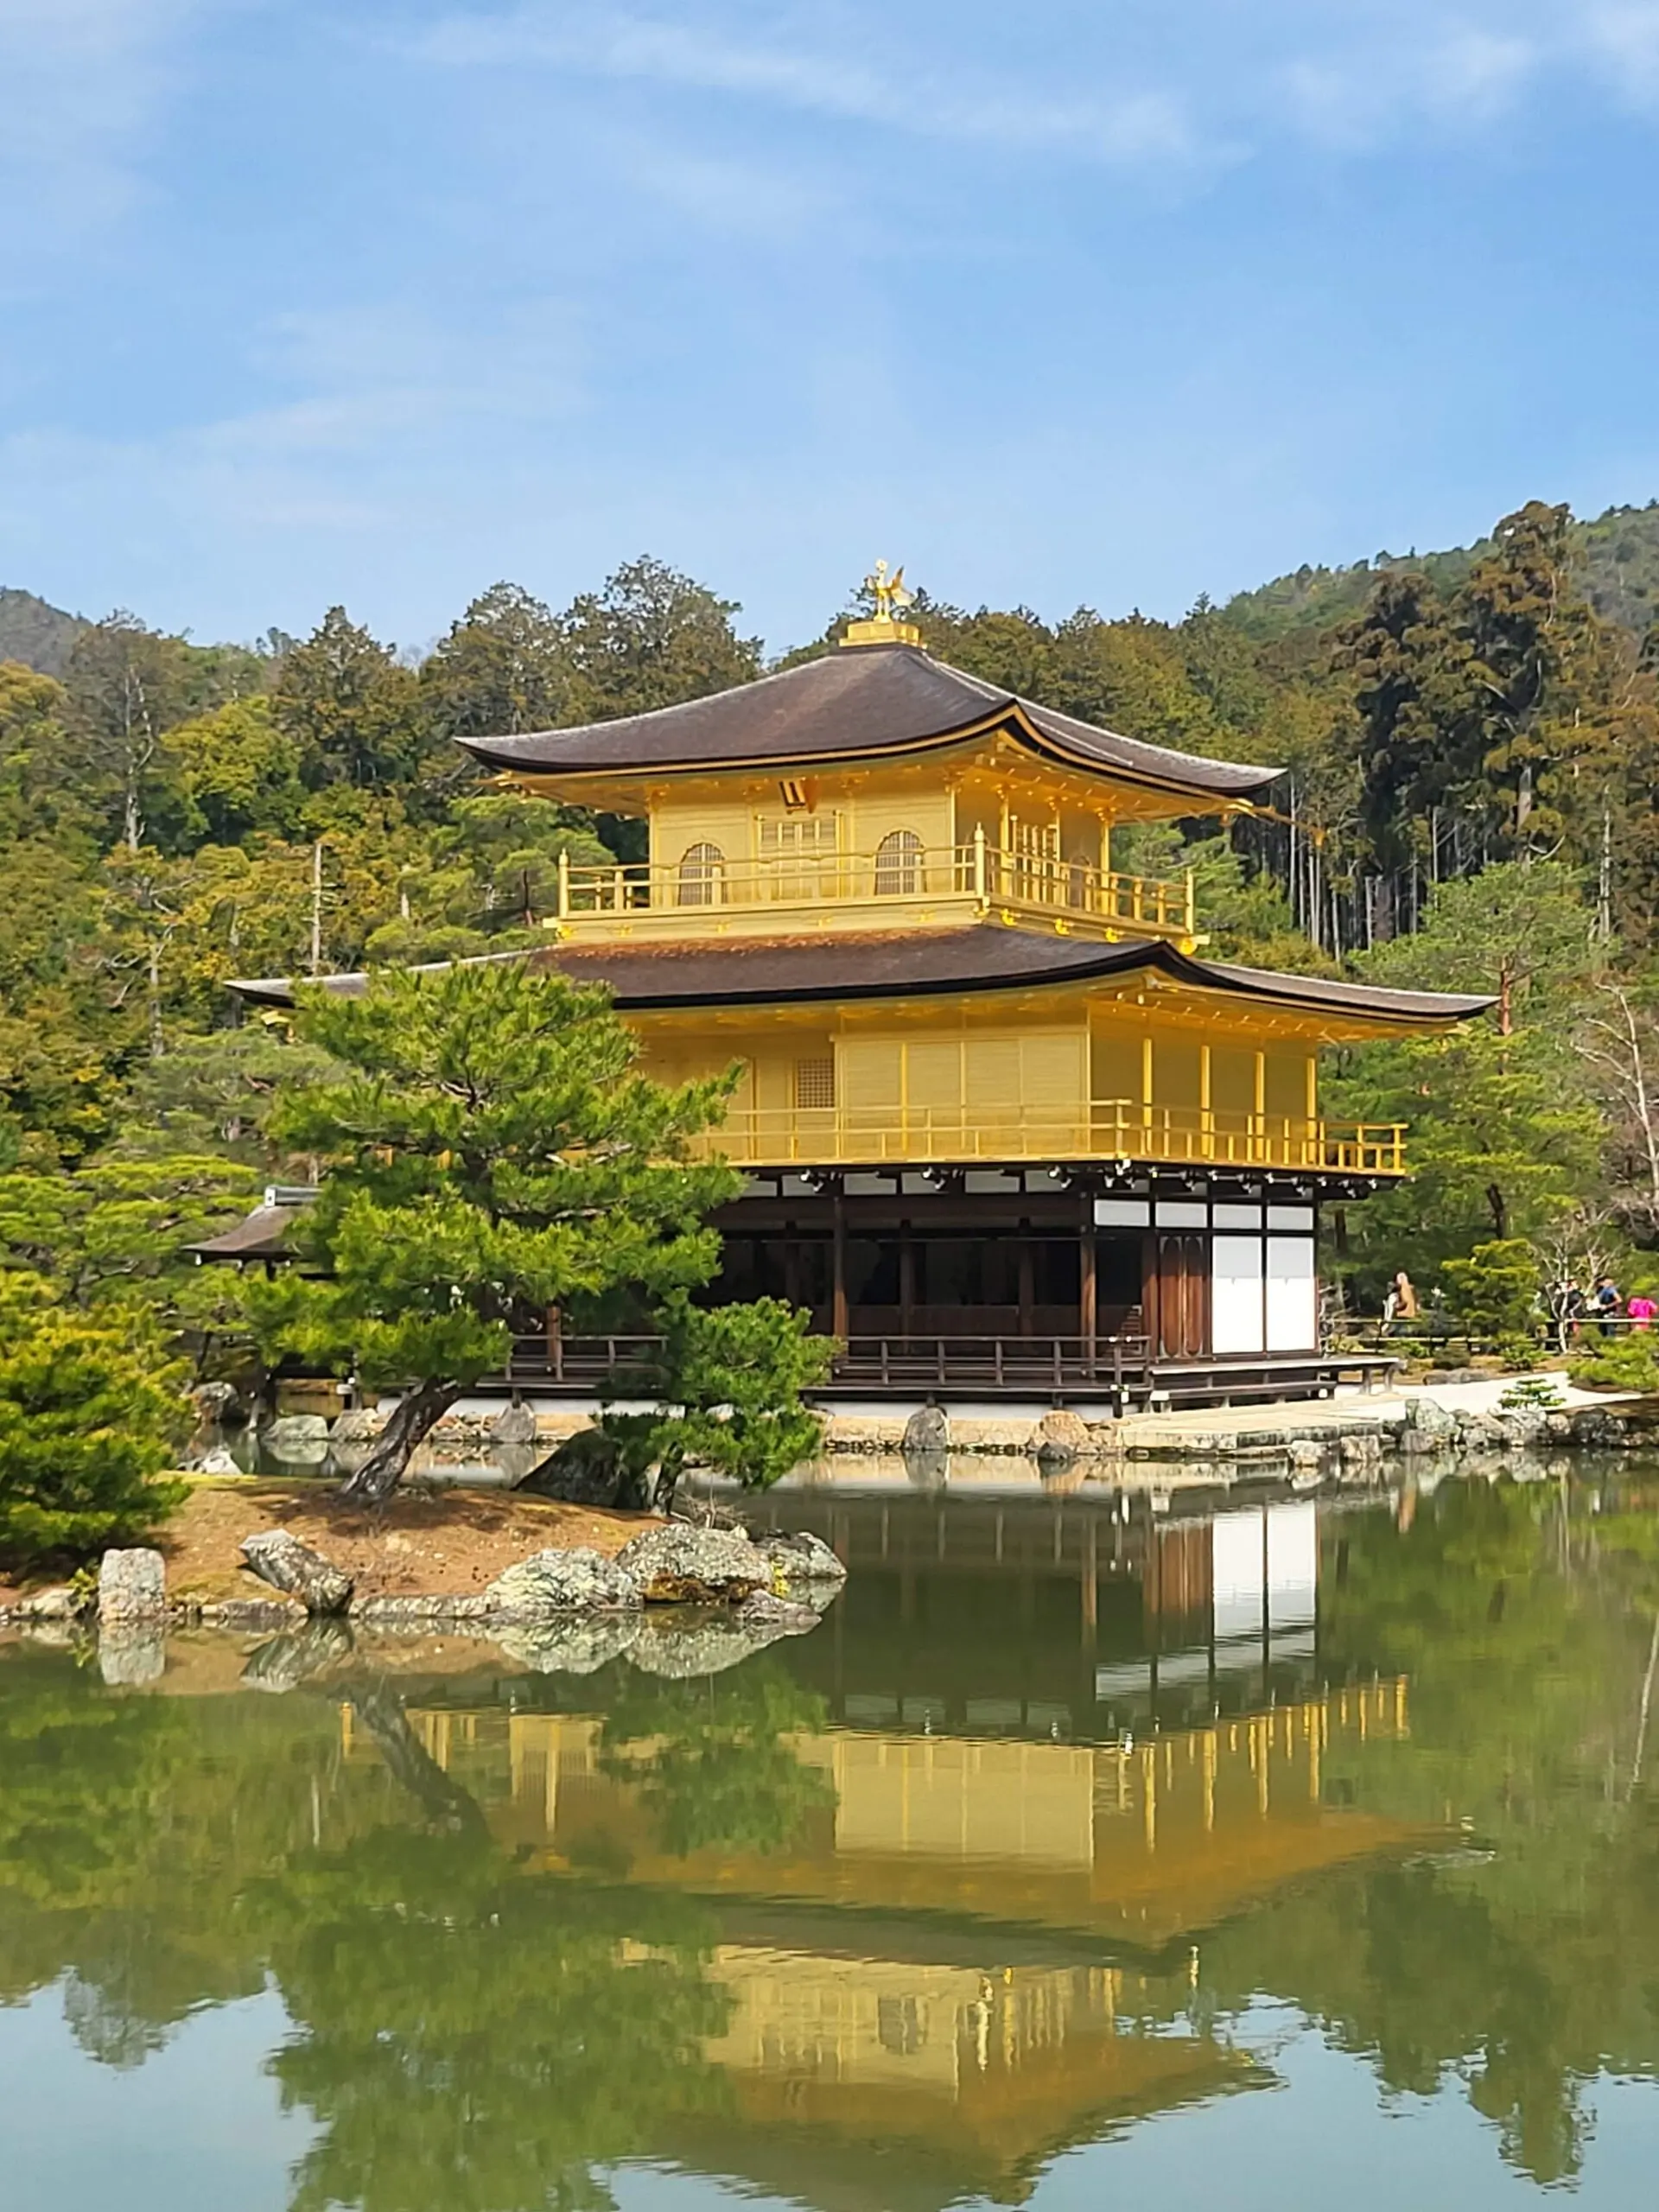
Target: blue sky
1078 300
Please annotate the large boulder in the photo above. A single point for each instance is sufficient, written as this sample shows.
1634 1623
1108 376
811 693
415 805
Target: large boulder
680 1565
803 1568
1060 1437
927 1430
301 1440
572 1579
279 1558
215 1460
354 1435
514 1424
131 1589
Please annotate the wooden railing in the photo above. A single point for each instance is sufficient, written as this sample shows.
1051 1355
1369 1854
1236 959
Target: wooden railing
1127 1367
1109 1128
985 874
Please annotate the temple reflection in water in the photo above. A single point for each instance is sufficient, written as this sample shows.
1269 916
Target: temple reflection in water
982 1942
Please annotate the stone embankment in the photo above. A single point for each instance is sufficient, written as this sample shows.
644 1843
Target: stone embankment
676 1601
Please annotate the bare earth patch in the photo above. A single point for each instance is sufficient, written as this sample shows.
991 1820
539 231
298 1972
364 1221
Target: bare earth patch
451 1543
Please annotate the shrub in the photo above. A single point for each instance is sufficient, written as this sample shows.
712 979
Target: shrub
1626 1362
1494 1296
90 1414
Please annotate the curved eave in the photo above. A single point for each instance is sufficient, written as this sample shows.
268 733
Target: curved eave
972 962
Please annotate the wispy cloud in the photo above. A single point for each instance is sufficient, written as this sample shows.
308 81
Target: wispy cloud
1141 87
793 68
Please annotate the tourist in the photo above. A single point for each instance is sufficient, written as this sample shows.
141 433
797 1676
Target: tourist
1640 1309
1400 1302
1605 1300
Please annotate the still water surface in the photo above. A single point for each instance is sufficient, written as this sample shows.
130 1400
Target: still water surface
1083 1856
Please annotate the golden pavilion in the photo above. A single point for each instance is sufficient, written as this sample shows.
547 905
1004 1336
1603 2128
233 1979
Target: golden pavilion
1006 1128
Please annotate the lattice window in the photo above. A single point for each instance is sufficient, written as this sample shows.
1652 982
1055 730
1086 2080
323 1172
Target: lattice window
700 871
798 855
815 1086
898 864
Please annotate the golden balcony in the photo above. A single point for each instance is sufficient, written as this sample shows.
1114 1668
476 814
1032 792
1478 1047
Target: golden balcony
1111 1128
703 894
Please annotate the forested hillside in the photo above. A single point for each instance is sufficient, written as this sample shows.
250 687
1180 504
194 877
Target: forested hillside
1471 800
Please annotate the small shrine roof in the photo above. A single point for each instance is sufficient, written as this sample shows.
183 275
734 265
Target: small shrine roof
853 703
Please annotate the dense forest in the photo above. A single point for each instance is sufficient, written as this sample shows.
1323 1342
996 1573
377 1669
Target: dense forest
1470 799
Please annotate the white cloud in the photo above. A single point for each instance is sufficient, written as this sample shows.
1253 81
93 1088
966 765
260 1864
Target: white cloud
1144 85
792 67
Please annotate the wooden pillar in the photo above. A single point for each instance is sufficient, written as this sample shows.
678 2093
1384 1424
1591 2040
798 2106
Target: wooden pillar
838 1265
1259 1148
1028 1285
906 1278
1087 1300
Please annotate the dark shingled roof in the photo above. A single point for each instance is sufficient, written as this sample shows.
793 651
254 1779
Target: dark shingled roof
848 705
915 964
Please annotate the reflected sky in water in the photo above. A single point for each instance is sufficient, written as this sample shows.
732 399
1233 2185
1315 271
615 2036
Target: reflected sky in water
1087 1849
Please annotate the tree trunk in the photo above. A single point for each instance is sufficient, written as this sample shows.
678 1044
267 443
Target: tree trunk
411 1418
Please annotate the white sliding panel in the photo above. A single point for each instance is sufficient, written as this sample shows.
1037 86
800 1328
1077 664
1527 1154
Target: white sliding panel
1236 1294
1293 1296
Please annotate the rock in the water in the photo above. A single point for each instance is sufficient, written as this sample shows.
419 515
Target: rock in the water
679 1646
586 1469
435 1610
282 1561
566 1645
131 1587
219 1460
514 1424
1061 1434
800 1556
132 1654
213 1400
59 1603
1428 1418
682 1566
354 1435
301 1439
577 1580
288 1661
766 1611
927 1430
1305 1451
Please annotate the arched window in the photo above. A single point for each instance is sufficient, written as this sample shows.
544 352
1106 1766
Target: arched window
898 864
699 875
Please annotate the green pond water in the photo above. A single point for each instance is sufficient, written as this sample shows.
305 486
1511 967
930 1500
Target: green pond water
1086 1854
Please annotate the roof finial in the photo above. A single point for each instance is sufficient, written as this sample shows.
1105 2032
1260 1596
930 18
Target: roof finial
889 591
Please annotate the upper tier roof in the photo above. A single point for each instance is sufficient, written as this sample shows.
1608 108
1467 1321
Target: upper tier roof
851 704
922 964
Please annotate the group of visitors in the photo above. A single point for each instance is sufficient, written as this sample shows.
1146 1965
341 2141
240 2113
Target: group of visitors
1603 1306
1572 1309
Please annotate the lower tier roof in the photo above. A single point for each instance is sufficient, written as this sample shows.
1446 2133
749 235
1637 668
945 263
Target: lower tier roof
913 963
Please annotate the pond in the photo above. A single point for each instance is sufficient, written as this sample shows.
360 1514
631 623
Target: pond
1091 1850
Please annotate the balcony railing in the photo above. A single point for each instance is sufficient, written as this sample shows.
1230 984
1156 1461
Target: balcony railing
1111 1128
979 874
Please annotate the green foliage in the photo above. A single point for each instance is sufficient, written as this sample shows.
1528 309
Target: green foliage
490 1150
90 1414
113 1235
1493 1295
1629 1361
729 1383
